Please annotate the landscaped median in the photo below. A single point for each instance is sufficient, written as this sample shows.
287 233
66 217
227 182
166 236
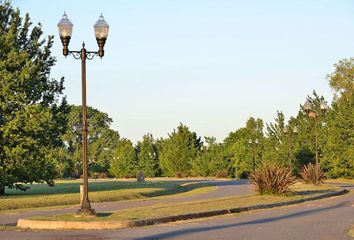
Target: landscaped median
162 213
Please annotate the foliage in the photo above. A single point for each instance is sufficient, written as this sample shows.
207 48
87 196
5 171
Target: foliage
179 151
32 115
124 162
313 173
148 156
338 154
245 147
271 178
212 160
101 140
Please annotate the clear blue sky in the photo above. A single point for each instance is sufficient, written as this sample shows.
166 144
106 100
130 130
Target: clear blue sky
208 64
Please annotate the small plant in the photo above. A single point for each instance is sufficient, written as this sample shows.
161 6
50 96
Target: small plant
270 178
313 173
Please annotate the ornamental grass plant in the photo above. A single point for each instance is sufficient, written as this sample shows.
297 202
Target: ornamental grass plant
271 178
313 173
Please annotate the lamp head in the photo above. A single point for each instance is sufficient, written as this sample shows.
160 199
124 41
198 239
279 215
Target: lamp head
307 106
101 32
65 28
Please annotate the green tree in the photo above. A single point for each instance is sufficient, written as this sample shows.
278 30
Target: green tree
101 140
178 151
245 147
212 161
338 154
148 156
124 162
32 115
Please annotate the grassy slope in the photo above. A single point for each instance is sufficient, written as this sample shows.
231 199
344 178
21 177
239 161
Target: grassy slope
67 193
159 210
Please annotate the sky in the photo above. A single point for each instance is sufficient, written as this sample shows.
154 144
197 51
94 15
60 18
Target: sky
209 64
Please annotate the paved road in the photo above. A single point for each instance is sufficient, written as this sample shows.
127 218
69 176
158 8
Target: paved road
324 219
225 188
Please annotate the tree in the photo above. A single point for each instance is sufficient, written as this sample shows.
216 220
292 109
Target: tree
124 162
245 156
32 114
212 161
179 150
101 139
338 154
148 156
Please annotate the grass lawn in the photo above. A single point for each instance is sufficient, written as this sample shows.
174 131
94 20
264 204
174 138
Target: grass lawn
341 180
67 192
162 210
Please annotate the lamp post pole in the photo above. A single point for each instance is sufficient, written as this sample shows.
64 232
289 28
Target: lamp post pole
314 115
101 31
253 144
290 131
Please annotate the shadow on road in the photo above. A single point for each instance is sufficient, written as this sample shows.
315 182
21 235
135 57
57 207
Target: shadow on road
258 221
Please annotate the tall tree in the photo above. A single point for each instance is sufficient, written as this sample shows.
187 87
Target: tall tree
102 140
124 162
148 156
245 147
338 154
32 115
212 161
178 151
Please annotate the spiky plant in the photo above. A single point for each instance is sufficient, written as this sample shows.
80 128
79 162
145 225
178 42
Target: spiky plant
270 178
313 173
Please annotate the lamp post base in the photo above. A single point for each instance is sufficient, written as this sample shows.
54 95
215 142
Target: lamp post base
86 212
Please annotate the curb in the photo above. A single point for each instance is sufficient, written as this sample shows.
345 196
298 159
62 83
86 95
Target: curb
96 225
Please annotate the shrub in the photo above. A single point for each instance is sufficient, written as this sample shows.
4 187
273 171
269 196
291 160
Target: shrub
102 175
313 173
270 178
221 174
180 175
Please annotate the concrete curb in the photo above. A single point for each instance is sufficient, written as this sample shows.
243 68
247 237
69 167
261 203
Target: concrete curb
38 224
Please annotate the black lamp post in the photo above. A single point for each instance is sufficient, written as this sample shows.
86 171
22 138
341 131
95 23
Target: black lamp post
253 145
101 32
314 115
290 131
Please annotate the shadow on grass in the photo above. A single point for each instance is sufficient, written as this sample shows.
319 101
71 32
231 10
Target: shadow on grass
312 192
104 214
182 232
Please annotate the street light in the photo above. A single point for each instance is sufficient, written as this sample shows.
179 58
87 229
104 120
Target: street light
253 145
312 114
101 28
290 131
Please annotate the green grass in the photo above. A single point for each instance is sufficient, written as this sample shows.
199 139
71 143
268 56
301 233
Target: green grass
340 180
67 193
163 210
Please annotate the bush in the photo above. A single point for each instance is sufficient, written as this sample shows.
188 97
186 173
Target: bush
313 173
180 175
102 175
270 178
221 174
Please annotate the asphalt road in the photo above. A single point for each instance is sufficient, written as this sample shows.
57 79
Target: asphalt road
324 219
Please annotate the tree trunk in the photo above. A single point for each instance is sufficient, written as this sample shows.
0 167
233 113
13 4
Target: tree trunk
2 190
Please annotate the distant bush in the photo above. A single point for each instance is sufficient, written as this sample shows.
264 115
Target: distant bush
222 173
180 175
270 178
102 175
313 173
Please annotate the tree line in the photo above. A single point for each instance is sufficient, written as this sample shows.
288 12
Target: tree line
40 133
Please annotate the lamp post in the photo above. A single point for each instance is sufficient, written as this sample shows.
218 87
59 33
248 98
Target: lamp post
312 114
290 131
253 145
101 32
